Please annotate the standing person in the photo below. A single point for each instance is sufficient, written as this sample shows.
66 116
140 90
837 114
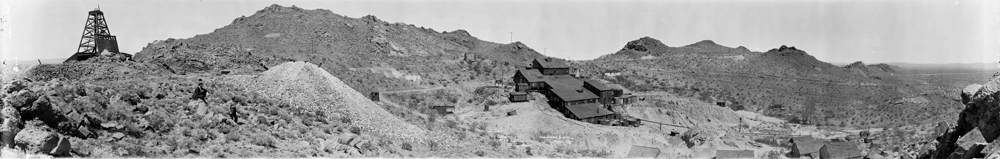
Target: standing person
233 113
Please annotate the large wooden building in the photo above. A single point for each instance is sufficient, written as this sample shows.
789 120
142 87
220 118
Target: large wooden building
605 94
577 99
549 66
529 80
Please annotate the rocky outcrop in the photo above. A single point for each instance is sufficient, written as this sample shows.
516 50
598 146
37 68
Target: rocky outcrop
969 91
979 118
643 44
699 136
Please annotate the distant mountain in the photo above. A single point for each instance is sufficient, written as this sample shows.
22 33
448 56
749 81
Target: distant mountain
361 51
785 82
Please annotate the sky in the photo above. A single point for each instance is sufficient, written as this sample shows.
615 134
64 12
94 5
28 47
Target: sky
839 31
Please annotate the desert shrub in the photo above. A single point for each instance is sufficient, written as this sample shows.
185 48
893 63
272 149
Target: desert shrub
451 124
262 140
407 146
480 153
433 144
495 144
355 130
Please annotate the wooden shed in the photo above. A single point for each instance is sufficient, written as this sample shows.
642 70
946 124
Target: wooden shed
518 97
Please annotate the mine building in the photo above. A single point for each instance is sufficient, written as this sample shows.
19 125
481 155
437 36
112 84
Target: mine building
590 112
605 94
529 80
643 152
549 66
444 110
806 146
847 150
518 97
585 100
734 154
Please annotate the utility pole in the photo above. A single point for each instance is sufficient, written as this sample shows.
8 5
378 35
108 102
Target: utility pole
511 37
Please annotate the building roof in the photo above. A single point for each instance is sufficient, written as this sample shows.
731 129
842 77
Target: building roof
552 63
642 152
588 110
598 85
574 94
810 146
971 139
518 93
841 150
721 154
801 139
563 82
532 75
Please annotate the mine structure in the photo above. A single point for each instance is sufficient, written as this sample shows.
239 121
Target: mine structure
580 99
96 38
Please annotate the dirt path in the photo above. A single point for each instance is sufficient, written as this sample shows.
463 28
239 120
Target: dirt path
412 90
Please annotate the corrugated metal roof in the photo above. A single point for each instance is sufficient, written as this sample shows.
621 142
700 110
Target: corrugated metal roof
552 63
588 110
643 152
721 154
841 150
532 75
810 146
573 94
598 85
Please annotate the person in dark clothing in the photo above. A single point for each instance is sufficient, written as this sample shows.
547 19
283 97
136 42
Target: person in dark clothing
233 113
200 92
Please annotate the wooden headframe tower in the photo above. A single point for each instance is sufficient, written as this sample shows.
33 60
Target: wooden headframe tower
96 37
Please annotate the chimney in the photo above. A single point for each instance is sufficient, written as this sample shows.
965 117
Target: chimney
579 91
548 59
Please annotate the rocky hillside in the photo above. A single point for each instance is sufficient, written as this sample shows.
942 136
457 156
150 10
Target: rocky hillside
785 82
361 51
976 130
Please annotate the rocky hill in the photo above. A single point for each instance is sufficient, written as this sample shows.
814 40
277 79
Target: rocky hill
359 50
976 130
785 82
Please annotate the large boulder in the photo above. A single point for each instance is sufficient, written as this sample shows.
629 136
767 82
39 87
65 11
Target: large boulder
969 91
13 86
36 140
22 98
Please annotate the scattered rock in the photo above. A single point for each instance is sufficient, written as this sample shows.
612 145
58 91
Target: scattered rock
117 136
21 99
14 86
272 35
109 125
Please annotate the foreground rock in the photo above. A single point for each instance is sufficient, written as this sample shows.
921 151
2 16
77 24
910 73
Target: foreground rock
977 124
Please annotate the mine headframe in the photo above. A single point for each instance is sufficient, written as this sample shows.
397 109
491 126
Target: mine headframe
96 37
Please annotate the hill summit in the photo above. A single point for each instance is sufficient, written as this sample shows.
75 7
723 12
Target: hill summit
358 50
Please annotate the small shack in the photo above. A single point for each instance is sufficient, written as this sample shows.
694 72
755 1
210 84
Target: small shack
643 152
444 110
374 96
726 154
518 97
721 103
806 146
847 150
